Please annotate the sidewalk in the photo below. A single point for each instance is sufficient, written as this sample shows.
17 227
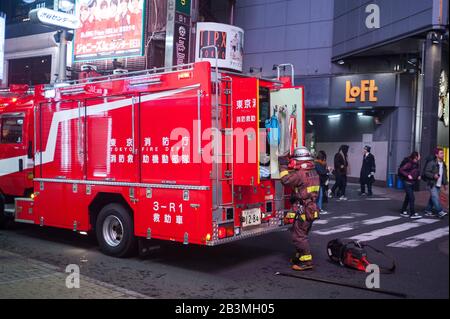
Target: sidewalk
24 278
422 197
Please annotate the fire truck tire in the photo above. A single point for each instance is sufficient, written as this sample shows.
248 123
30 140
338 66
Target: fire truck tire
3 219
115 231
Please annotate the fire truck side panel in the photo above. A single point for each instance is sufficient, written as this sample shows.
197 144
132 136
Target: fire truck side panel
111 139
170 138
57 205
60 140
182 215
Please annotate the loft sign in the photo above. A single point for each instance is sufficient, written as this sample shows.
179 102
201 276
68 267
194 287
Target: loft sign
365 91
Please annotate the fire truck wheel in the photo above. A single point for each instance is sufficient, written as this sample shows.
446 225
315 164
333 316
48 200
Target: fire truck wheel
3 219
115 231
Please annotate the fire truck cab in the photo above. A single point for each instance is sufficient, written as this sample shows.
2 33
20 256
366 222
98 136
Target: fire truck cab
188 154
16 141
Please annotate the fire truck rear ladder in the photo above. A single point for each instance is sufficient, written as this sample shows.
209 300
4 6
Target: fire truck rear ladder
224 156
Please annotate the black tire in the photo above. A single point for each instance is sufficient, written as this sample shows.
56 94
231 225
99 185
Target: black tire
3 219
115 231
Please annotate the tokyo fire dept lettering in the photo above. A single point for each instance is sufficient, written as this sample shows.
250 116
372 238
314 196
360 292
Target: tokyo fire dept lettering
245 105
122 153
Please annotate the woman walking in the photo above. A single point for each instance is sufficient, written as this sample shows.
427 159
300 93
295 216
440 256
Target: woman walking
410 173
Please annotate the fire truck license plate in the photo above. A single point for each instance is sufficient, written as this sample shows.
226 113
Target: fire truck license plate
251 217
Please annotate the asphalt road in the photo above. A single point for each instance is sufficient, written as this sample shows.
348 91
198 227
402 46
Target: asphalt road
246 269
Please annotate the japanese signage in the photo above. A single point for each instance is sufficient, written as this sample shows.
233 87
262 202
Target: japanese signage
178 30
181 38
2 44
54 18
227 39
109 29
363 90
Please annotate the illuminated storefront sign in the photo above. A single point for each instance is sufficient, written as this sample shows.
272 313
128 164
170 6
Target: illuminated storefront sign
229 41
363 90
352 93
109 29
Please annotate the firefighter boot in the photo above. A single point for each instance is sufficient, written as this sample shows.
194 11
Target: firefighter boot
303 263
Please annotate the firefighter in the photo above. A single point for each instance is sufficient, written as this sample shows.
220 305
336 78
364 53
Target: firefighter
300 174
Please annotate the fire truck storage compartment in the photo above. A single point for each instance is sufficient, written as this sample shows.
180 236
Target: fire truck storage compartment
287 105
24 210
246 131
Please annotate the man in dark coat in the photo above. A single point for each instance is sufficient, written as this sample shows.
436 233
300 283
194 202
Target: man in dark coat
340 171
367 176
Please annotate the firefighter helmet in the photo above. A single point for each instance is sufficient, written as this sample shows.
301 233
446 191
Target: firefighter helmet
302 154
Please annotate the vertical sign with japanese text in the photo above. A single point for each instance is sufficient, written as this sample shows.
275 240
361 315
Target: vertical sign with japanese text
178 30
182 32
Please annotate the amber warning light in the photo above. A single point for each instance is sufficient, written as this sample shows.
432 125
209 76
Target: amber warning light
184 75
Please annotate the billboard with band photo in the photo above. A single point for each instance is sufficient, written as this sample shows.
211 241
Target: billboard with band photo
109 29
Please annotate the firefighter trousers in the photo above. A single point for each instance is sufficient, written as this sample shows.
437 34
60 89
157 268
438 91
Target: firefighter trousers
300 233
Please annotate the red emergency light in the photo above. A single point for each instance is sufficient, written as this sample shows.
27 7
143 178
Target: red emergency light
19 88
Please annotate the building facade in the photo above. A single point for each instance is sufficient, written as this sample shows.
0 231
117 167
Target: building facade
370 70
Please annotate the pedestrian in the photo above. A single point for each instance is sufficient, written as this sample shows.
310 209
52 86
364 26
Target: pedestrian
435 175
340 172
367 175
410 174
322 170
304 181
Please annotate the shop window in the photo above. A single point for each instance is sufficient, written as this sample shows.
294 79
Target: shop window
11 130
31 71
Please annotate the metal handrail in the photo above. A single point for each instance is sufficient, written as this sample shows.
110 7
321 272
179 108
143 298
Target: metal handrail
279 66
115 77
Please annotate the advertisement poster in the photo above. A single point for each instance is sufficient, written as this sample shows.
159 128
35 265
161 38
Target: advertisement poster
229 41
109 29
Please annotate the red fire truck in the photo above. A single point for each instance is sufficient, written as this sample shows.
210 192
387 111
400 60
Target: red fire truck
175 154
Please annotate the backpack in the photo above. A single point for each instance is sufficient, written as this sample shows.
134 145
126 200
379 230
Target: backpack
403 163
273 130
353 254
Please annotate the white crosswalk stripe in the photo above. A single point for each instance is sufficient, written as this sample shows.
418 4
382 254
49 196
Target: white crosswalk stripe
354 225
418 240
357 227
327 219
392 230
